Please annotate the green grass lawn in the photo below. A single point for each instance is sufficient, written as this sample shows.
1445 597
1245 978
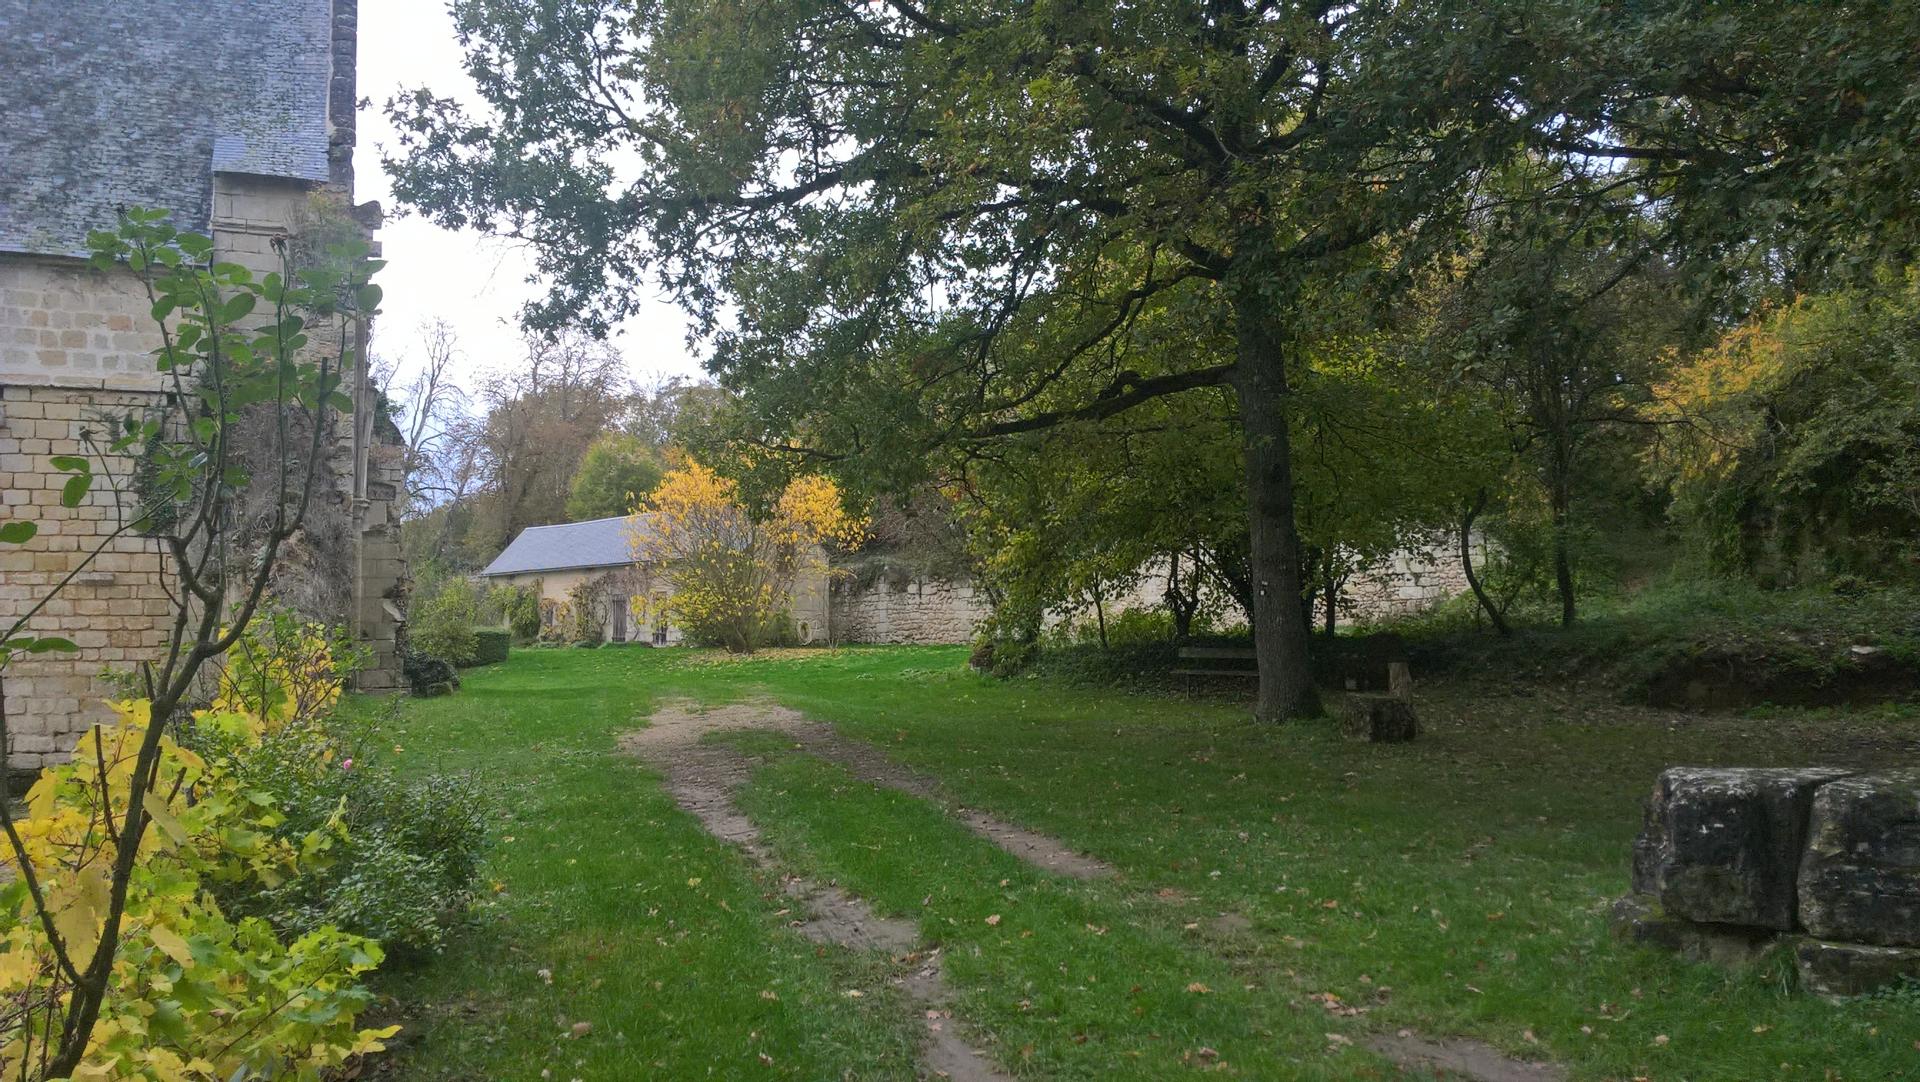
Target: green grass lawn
1454 886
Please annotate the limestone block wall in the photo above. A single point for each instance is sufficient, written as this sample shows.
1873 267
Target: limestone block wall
931 611
76 348
1412 580
117 611
63 323
922 610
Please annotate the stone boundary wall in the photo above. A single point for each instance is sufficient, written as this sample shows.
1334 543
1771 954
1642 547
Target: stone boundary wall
935 611
923 611
1412 580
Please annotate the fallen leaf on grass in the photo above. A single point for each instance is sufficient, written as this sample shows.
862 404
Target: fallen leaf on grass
994 921
1199 989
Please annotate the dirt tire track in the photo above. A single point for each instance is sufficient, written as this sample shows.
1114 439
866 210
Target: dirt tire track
702 779
870 764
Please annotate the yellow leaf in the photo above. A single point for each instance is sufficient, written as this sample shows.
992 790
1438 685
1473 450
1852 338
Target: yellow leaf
156 806
170 941
78 910
17 967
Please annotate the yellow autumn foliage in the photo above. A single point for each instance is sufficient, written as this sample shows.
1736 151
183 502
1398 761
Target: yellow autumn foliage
727 575
192 995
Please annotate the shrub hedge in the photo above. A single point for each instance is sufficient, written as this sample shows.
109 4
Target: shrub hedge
490 645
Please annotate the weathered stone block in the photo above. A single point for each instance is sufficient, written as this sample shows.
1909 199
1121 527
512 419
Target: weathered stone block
1853 969
1638 918
1383 719
1722 846
1860 876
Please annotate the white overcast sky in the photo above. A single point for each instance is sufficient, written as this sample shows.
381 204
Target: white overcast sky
474 282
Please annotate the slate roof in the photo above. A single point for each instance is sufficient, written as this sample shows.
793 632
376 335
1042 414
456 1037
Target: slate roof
601 542
109 104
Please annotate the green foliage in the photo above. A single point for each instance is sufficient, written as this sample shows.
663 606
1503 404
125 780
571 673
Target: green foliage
583 615
1751 644
518 606
491 645
442 623
197 990
617 472
1796 456
403 865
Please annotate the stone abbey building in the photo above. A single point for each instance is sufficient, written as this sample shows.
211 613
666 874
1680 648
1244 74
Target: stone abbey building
238 117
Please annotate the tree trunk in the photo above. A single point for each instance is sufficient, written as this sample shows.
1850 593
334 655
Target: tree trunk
1181 602
1100 614
1280 627
1330 595
1560 499
1466 564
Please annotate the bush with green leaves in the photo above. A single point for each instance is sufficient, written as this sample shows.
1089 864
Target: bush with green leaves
407 853
441 624
491 645
518 607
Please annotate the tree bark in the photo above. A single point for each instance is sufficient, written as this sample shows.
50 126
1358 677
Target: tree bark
1559 500
1330 595
1181 602
1280 621
1466 565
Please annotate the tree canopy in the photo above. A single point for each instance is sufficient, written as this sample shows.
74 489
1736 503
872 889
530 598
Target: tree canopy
909 231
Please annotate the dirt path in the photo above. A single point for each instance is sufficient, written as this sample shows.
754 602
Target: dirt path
1463 1058
680 723
702 779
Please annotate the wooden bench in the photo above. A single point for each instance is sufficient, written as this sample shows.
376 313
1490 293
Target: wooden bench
1232 661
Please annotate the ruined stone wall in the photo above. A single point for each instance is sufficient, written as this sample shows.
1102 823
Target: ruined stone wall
931 611
1412 580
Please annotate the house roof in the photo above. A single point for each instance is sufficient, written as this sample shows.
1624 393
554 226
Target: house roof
601 542
111 104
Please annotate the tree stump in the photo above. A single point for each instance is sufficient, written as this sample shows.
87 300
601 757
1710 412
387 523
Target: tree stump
1382 719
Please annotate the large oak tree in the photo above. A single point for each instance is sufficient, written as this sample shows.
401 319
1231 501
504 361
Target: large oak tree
907 227
914 224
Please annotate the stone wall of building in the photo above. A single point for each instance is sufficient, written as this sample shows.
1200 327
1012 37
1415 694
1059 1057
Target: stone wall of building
64 323
116 611
75 350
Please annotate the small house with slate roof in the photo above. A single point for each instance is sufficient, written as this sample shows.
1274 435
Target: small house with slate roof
237 116
592 563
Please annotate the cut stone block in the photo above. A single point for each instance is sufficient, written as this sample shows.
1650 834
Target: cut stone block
1853 969
1637 918
1383 719
1722 845
1860 877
